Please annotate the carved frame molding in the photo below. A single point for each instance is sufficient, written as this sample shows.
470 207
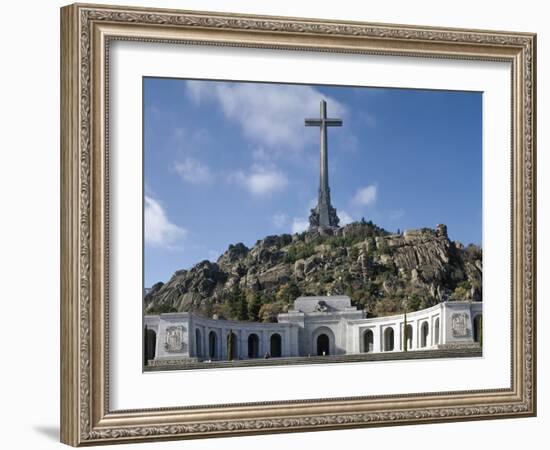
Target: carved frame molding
86 31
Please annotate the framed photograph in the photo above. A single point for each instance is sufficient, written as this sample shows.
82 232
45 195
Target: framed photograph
276 224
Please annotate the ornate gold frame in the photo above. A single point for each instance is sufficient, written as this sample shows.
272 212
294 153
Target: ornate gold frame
86 31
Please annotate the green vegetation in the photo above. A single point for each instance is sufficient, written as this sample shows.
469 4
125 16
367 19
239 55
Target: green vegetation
158 309
254 306
414 302
288 292
303 249
381 275
300 250
462 291
238 305
270 311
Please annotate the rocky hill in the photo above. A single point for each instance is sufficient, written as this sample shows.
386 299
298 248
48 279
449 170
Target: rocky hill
381 272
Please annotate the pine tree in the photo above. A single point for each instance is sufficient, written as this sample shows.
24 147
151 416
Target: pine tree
230 354
254 305
237 304
242 313
405 333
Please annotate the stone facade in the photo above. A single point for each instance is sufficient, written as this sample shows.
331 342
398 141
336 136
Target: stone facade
315 326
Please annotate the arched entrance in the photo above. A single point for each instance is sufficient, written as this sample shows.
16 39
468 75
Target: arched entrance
368 341
253 346
409 336
320 343
198 343
436 331
323 345
388 339
275 347
478 328
232 346
212 345
149 345
424 330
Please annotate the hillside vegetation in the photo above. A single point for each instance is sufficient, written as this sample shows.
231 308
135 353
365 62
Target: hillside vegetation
383 273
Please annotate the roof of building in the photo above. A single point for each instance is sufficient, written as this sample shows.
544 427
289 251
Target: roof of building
322 303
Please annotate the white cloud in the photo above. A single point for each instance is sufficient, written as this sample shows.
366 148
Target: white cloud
270 115
193 171
279 220
159 231
191 140
345 218
366 196
299 225
260 154
261 180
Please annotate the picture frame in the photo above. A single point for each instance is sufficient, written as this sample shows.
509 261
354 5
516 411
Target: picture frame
87 32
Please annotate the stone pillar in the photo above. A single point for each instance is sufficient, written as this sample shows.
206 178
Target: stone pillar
205 346
429 335
244 343
443 324
264 348
377 339
223 343
240 354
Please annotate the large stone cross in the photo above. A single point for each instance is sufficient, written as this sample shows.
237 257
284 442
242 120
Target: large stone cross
324 209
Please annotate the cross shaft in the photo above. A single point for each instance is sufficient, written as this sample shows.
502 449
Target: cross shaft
323 205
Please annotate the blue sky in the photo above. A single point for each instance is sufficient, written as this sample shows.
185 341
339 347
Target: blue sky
228 162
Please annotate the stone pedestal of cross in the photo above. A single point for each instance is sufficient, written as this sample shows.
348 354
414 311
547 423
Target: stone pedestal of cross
323 215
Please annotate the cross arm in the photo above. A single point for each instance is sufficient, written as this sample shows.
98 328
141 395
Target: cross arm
313 122
320 122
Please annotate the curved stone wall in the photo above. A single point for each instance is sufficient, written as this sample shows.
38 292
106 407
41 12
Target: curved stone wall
180 336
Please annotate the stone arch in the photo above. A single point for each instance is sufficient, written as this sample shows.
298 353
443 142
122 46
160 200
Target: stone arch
276 345
213 345
436 331
368 341
409 336
478 328
331 341
253 345
323 345
198 342
149 345
424 331
389 343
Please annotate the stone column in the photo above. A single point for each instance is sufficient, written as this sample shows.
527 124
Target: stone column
263 347
205 346
244 344
288 343
443 324
223 344
414 343
377 339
